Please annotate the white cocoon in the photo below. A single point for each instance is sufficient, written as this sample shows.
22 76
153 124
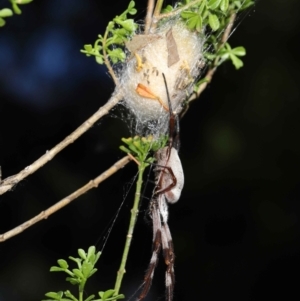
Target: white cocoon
172 50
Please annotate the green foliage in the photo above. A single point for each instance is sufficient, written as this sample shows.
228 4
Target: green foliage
117 33
7 12
4 13
227 53
140 147
211 18
210 13
79 276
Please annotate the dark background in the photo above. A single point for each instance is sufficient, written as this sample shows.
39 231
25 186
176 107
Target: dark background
236 227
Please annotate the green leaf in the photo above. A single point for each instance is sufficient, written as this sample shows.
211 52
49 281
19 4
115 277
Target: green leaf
78 273
54 295
16 9
62 263
125 149
86 269
213 4
202 7
81 253
2 22
108 294
24 1
73 280
70 295
93 271
91 252
238 63
121 296
188 14
194 20
117 55
246 4
88 47
97 257
128 24
133 11
167 9
5 12
237 4
91 297
210 56
99 60
239 51
213 22
131 5
224 5
195 23
77 260
56 269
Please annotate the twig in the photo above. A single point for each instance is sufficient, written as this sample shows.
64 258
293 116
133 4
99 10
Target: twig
133 218
106 60
148 19
158 8
9 182
211 71
67 200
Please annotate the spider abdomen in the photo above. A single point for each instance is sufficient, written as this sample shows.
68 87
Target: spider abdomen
170 176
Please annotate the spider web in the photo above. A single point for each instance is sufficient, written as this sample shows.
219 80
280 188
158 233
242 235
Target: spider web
144 121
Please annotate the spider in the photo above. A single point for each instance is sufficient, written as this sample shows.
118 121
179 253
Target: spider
169 180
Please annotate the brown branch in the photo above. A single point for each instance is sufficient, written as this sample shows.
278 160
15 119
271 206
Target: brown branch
67 200
148 19
11 181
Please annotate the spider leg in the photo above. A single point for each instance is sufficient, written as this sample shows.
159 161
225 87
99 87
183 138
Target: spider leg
167 246
172 177
157 243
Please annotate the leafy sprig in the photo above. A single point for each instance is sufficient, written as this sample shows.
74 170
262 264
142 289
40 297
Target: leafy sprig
213 16
7 12
228 53
117 32
210 13
140 147
79 276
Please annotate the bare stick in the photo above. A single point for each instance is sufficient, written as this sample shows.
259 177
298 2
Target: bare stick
148 19
67 200
9 182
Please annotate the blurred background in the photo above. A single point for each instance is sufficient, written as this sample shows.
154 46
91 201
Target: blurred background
236 227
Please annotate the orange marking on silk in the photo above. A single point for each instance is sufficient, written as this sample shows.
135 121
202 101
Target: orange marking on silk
147 93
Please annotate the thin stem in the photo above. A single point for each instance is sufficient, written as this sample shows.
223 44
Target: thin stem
81 290
225 36
67 200
11 181
106 60
148 19
133 218
158 8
